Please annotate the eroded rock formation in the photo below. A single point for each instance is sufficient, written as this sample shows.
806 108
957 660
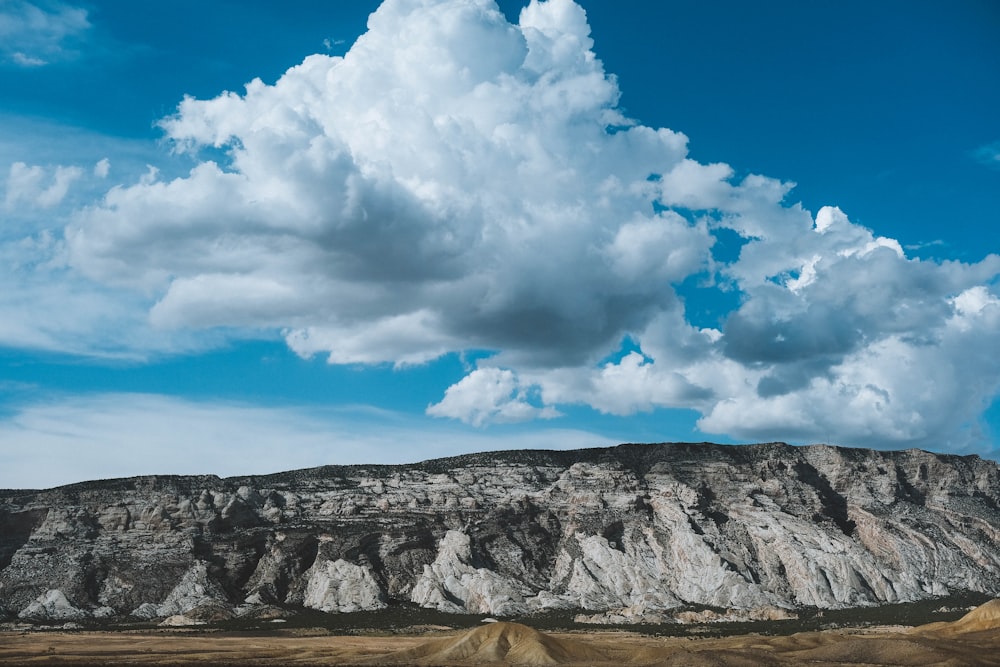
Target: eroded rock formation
629 531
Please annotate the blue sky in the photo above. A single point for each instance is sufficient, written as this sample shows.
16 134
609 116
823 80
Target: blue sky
457 226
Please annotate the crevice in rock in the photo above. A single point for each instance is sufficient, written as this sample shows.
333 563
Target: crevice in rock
834 505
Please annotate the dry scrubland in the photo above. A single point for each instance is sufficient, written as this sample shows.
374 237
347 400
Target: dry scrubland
972 640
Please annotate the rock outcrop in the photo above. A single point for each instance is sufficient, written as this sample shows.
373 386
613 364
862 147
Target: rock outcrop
631 531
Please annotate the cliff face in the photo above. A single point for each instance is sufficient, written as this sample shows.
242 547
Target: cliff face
633 529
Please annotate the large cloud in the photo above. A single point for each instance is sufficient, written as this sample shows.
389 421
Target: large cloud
418 188
455 182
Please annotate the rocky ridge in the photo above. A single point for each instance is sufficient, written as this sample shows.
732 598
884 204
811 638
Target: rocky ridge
624 533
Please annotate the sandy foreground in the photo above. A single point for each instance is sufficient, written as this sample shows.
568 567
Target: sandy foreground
973 640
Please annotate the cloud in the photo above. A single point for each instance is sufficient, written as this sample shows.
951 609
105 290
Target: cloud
895 391
26 60
29 185
839 337
457 182
124 435
415 186
44 306
34 34
489 395
988 154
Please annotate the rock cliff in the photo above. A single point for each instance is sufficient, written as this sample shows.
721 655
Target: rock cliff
628 532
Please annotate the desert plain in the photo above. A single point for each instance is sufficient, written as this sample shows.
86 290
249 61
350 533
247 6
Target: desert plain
974 639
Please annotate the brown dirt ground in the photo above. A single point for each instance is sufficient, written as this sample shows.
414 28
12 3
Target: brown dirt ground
974 640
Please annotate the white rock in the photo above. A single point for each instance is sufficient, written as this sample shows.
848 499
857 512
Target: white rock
104 612
339 586
179 620
52 605
451 584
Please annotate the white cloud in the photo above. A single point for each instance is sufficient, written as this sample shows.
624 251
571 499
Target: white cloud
26 60
633 384
61 181
44 307
414 186
33 34
489 395
64 440
896 391
23 184
658 248
31 186
407 339
456 182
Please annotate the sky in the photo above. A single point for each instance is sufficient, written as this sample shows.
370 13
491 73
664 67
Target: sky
245 237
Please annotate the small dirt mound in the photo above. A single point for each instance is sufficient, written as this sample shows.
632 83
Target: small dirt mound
507 643
982 618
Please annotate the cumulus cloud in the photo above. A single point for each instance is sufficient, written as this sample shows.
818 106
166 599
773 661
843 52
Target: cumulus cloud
33 34
457 182
415 187
899 389
489 395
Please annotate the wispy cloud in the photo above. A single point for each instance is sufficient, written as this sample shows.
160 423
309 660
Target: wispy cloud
988 154
926 244
64 440
34 34
26 60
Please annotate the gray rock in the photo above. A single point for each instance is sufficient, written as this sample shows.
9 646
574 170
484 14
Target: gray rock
52 605
630 532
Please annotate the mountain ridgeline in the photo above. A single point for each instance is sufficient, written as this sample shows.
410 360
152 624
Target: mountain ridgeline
630 532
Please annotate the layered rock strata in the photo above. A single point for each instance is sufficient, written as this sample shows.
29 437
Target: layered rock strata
630 531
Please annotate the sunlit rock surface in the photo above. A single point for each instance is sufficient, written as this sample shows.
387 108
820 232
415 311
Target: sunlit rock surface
630 532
